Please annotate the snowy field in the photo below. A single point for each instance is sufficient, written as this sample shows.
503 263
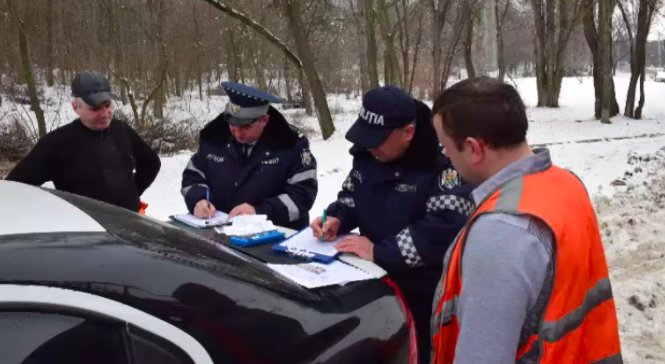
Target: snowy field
597 153
622 165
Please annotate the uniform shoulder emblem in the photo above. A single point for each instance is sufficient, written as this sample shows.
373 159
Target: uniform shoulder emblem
449 179
306 157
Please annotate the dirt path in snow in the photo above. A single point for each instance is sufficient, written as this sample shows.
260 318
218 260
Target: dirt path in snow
633 228
597 140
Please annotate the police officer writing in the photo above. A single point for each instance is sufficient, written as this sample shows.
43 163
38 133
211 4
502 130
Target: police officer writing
95 155
404 196
251 161
526 281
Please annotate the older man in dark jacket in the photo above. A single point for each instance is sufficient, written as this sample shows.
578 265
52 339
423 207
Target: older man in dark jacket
405 197
95 155
251 161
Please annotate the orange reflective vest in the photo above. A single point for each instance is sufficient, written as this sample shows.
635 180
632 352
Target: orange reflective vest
579 324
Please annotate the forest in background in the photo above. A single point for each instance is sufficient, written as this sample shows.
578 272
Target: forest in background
302 50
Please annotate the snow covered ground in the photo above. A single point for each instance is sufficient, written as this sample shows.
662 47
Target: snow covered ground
597 153
633 229
621 165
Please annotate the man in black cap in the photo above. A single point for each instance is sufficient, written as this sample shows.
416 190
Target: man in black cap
404 196
251 161
95 155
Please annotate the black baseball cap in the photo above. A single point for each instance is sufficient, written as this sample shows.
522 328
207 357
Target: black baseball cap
384 109
92 87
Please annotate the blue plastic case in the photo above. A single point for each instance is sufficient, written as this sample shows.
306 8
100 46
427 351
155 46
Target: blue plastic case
261 238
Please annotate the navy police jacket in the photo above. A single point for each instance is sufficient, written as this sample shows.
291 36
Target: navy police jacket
278 178
411 209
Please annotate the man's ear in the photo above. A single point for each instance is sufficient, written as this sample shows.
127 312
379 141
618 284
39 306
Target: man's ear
75 106
410 131
264 119
476 147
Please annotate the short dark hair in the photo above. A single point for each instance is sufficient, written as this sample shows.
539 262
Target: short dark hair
483 108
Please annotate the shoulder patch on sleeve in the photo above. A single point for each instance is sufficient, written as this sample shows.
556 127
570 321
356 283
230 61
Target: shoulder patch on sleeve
449 179
306 157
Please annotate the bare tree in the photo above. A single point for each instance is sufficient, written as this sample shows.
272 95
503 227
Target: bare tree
49 35
361 27
292 11
392 74
26 68
500 19
472 11
604 51
554 21
457 26
439 9
591 36
419 14
645 11
371 43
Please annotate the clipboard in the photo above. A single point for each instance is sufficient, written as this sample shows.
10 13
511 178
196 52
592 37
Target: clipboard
303 245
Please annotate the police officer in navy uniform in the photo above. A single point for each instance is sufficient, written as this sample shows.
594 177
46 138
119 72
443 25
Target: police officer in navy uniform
251 161
404 196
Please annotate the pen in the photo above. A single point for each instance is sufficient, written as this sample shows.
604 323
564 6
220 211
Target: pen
208 196
323 222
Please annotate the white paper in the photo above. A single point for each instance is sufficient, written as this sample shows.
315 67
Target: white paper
365 265
304 241
217 219
314 275
247 225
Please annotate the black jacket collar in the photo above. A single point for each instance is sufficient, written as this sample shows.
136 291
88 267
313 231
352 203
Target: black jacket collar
278 134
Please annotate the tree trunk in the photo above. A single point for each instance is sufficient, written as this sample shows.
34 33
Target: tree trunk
500 18
361 26
638 59
177 81
292 9
605 29
401 9
197 48
372 55
459 26
26 70
416 52
305 94
49 43
288 81
230 53
468 42
259 70
160 91
439 10
591 36
391 62
553 27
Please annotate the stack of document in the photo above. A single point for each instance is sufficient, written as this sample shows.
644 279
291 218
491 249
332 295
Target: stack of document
314 275
219 218
243 225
